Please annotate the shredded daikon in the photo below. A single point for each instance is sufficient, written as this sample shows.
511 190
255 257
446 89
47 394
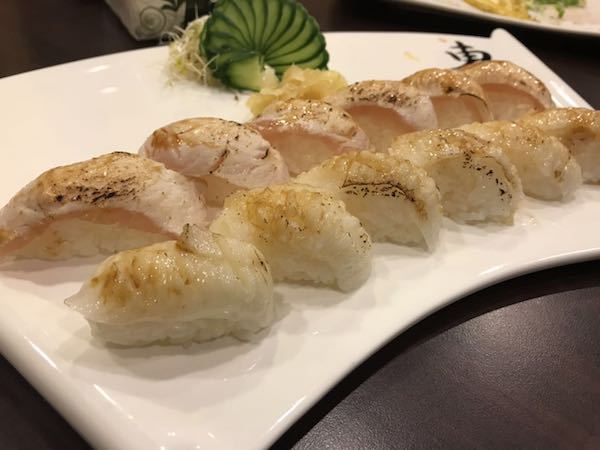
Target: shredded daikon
185 59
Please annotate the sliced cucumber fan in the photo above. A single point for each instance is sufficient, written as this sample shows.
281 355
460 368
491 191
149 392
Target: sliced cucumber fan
242 36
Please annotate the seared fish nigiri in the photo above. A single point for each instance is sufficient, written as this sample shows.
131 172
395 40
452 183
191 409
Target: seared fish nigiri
386 109
305 235
477 181
456 97
199 287
223 155
546 167
110 203
510 90
579 130
394 199
307 132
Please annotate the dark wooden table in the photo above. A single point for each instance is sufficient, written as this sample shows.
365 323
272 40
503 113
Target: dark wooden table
516 365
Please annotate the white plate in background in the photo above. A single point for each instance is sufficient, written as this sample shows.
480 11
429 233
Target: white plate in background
581 21
226 394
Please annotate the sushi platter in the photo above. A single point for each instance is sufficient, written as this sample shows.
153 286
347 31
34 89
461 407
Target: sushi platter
228 393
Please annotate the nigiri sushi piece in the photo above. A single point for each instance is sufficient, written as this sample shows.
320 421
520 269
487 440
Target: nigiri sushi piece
510 90
394 199
307 132
198 287
456 97
222 155
477 182
579 130
305 235
386 109
545 166
106 204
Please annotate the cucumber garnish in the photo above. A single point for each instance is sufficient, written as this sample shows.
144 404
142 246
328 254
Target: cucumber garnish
242 36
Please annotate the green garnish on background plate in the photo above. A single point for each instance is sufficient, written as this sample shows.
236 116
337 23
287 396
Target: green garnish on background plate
559 5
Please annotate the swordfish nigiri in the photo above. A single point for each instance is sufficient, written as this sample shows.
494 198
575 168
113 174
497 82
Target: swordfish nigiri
223 156
510 90
393 199
196 288
307 132
477 182
107 204
385 109
578 129
304 234
456 97
546 167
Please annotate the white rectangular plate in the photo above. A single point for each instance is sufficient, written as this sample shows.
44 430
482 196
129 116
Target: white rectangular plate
583 21
225 393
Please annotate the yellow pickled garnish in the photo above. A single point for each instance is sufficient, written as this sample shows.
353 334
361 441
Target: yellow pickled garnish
309 84
511 8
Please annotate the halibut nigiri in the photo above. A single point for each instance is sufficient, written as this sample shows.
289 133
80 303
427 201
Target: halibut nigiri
386 109
222 155
394 199
305 235
546 167
510 90
106 204
456 97
477 181
307 132
579 130
199 287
